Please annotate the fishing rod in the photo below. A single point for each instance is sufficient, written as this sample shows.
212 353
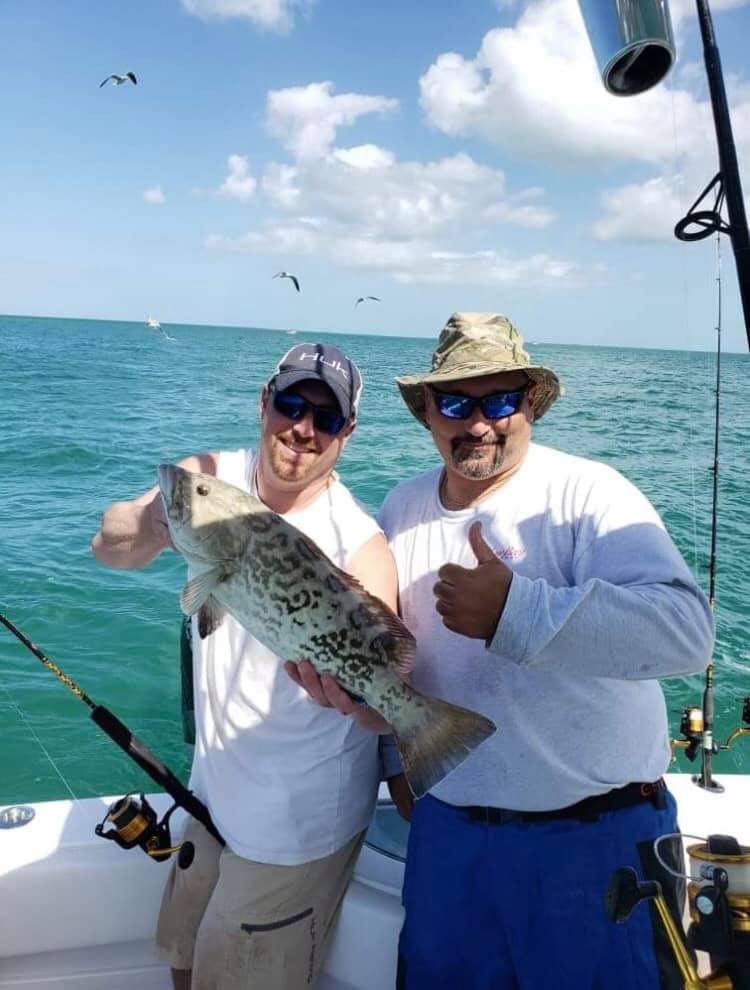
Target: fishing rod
634 47
704 727
726 182
135 823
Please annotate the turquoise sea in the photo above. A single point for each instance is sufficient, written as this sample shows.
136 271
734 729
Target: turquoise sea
89 408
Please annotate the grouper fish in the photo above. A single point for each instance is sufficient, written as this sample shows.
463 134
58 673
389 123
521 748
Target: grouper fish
272 579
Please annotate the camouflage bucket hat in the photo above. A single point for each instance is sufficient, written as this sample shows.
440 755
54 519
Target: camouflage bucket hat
475 344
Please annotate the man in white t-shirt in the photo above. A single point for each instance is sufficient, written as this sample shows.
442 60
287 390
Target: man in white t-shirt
289 786
544 592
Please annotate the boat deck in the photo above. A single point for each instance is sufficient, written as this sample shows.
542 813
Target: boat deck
78 912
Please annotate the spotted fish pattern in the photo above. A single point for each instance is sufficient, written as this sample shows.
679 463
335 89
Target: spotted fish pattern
278 584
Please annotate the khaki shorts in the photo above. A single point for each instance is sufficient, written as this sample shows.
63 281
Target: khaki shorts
255 926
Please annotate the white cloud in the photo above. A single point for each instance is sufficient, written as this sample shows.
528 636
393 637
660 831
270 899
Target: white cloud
640 212
369 191
275 15
239 184
305 118
154 196
425 264
534 89
365 156
279 185
360 206
272 238
417 221
417 261
684 10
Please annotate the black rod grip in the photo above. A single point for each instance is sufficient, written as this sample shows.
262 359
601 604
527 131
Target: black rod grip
139 752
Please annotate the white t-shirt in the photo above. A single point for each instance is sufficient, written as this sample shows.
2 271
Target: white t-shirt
600 606
285 780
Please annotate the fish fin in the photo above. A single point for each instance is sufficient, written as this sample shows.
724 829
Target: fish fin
210 617
399 644
434 737
197 591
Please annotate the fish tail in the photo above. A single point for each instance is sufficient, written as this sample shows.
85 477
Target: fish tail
433 737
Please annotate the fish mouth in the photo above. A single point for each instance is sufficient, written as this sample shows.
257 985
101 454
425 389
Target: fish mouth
169 489
175 494
166 474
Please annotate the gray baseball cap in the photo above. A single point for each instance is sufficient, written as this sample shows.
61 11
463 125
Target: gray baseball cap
323 363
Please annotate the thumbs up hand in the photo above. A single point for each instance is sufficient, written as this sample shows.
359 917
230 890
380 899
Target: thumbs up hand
471 600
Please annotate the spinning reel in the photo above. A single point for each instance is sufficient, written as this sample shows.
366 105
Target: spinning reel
697 737
136 823
719 901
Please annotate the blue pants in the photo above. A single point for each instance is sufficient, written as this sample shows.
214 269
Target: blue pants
520 906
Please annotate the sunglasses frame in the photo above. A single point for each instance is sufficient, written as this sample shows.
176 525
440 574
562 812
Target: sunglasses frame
320 415
473 402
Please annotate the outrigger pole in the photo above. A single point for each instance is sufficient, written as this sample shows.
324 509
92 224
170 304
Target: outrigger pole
121 735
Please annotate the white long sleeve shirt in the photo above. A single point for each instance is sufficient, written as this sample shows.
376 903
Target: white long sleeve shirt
601 605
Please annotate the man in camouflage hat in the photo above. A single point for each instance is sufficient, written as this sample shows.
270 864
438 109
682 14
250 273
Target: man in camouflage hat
474 345
544 592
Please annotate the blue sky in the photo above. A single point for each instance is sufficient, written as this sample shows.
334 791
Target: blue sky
443 156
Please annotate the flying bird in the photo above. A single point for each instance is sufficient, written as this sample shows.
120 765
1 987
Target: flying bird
288 275
119 80
362 299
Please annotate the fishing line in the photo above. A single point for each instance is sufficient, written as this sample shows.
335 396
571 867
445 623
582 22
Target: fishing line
666 866
706 222
135 748
694 387
39 742
717 424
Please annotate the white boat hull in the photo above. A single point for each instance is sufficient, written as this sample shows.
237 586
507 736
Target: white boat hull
79 913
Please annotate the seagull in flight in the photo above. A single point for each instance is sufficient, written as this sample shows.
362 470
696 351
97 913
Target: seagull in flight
288 275
362 299
119 80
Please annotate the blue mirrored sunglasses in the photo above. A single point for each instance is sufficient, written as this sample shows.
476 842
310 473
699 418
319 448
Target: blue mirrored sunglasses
296 407
495 406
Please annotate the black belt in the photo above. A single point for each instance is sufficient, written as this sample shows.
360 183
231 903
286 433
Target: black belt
587 810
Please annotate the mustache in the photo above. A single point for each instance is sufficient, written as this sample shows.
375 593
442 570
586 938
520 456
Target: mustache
471 441
309 444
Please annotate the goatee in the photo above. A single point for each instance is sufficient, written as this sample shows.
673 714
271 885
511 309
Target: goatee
476 461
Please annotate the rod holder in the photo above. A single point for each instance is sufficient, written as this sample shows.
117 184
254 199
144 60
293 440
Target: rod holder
632 41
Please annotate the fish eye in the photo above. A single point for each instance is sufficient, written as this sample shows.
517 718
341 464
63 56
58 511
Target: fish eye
203 489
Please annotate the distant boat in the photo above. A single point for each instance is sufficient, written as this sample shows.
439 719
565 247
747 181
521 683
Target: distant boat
291 331
154 324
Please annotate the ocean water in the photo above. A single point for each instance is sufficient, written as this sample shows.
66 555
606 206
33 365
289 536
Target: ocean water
89 408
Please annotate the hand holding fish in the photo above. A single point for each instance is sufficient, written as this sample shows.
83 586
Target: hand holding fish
471 600
326 691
